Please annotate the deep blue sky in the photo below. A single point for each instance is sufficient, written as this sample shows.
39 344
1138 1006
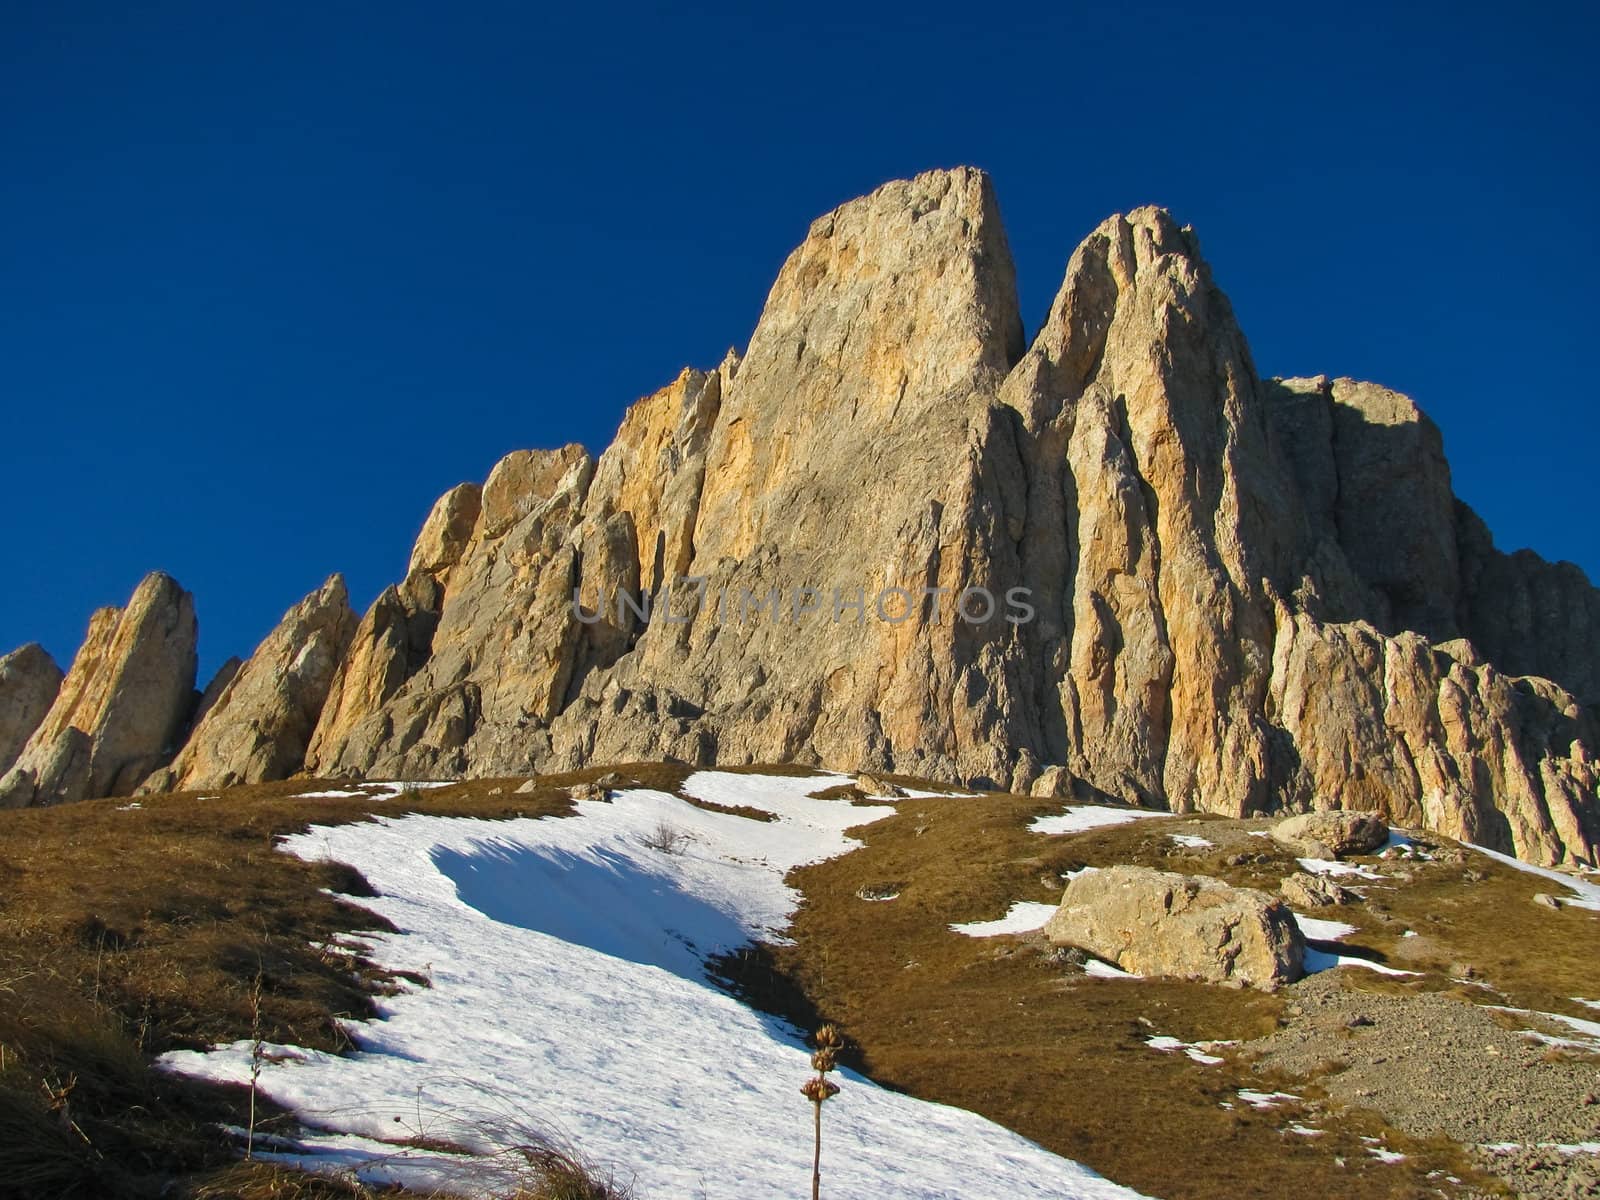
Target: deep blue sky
272 277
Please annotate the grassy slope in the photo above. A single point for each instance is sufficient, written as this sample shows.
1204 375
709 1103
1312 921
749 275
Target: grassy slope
127 933
995 1025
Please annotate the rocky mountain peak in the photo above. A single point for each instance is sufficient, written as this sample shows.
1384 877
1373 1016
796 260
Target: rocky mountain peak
1242 595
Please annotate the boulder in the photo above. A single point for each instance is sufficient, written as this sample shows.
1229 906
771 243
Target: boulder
1332 834
1184 926
1305 890
1052 783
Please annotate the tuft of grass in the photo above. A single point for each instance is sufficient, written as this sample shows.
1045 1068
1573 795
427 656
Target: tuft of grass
267 1181
564 1175
733 810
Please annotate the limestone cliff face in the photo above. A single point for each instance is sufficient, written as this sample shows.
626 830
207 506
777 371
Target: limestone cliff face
122 705
1526 615
1156 526
856 448
29 681
1435 737
472 655
395 637
256 728
1245 594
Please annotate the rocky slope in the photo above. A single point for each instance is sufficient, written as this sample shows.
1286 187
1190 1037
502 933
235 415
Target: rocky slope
1245 594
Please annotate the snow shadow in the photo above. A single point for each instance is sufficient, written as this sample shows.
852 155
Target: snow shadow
602 898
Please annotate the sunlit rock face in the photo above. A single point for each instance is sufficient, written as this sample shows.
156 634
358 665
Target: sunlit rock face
121 707
257 727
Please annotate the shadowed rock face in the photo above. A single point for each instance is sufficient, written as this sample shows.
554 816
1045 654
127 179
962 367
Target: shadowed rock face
29 681
1248 595
120 708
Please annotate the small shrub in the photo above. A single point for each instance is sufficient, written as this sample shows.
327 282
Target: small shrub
665 837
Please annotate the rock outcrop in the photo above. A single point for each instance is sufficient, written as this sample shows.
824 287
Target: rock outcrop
128 695
213 692
501 638
1236 595
1184 926
1314 891
258 726
1430 736
29 682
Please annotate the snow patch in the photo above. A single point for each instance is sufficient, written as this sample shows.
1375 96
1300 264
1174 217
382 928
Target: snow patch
1192 841
1588 1031
1316 929
1265 1100
1320 960
1568 1148
566 960
1080 818
1025 916
1328 866
1198 1051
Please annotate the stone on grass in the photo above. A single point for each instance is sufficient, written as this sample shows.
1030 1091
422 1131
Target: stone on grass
1184 926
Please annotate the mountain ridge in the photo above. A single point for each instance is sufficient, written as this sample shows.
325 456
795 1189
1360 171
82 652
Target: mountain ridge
1249 594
